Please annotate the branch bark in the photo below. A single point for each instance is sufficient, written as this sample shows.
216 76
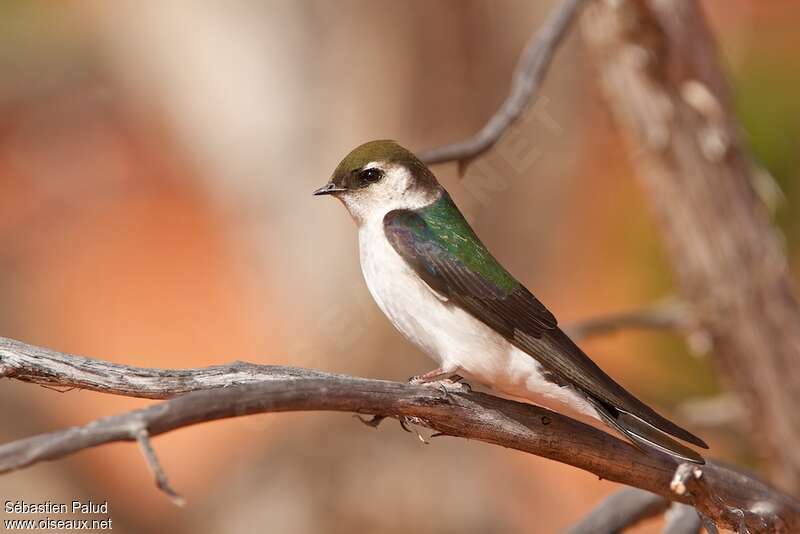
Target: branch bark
729 497
660 72
528 76
49 368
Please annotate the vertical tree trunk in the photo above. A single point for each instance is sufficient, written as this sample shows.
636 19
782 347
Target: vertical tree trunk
659 69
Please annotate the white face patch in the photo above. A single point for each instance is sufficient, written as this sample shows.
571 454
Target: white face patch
396 190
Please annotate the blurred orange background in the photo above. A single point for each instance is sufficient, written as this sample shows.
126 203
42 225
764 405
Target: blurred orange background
156 167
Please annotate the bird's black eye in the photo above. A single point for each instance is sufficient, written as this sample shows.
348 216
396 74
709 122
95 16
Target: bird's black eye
371 175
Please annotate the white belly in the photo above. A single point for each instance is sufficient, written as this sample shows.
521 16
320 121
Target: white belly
453 338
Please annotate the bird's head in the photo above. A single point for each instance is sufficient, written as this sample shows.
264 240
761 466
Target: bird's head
378 177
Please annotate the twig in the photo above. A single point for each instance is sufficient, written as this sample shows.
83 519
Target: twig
621 510
669 314
528 75
470 415
143 438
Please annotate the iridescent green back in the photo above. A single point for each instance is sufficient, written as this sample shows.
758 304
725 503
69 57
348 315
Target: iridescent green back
451 230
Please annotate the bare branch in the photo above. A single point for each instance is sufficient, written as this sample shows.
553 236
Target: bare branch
724 410
630 506
244 389
528 77
669 314
50 368
691 479
682 519
143 438
621 510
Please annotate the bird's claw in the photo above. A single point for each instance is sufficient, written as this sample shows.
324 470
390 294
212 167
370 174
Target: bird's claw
405 421
459 380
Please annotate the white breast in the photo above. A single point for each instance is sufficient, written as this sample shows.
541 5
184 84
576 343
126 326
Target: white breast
444 332
453 338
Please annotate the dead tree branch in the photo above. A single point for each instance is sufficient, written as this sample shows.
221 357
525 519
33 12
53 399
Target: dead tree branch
660 72
143 439
528 76
682 519
666 315
242 389
620 511
46 367
630 506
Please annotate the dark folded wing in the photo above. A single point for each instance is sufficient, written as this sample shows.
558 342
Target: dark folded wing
512 311
504 306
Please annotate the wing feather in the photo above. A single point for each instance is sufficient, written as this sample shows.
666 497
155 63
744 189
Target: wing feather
515 313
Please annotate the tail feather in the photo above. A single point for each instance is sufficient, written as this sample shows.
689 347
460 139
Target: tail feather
575 368
644 435
657 421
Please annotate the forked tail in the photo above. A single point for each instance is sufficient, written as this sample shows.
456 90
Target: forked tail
644 435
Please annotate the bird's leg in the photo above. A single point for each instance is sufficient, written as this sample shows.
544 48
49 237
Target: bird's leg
432 376
445 379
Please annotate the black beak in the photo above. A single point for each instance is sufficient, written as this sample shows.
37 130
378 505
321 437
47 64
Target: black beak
329 189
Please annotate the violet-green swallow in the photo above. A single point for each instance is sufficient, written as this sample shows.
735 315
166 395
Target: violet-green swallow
442 289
